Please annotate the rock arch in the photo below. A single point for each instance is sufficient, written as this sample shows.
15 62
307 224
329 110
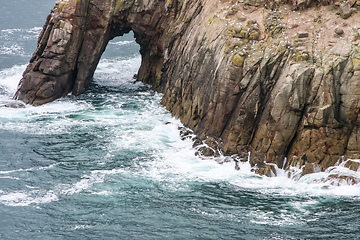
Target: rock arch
76 34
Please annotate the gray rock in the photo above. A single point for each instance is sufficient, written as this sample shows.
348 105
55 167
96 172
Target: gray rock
345 10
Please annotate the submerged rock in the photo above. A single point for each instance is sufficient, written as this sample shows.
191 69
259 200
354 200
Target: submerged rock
352 165
339 180
12 104
237 73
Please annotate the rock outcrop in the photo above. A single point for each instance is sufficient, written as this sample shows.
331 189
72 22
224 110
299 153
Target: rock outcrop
277 79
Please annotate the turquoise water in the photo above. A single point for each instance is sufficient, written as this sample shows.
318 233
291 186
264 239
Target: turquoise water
110 164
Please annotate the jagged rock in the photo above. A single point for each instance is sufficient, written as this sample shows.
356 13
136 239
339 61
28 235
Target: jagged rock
245 86
185 133
206 152
209 148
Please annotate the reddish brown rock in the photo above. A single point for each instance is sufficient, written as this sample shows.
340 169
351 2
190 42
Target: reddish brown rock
352 165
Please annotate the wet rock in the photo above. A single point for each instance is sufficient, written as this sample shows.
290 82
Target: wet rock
339 180
185 133
265 169
197 142
206 151
352 165
310 168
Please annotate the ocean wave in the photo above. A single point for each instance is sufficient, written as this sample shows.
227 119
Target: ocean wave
35 196
122 43
13 41
21 199
12 49
138 123
34 30
178 163
9 79
114 72
28 169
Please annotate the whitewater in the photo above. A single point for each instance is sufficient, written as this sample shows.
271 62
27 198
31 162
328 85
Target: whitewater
110 164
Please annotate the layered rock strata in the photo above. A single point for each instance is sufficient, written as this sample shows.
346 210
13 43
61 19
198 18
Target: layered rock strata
279 80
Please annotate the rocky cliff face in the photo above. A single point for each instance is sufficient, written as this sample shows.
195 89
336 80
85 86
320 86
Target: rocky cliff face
276 79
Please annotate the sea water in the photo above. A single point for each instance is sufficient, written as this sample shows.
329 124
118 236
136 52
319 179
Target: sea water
110 164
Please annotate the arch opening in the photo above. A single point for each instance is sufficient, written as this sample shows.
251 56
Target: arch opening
70 47
119 63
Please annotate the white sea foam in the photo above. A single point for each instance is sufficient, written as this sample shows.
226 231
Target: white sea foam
28 169
117 71
121 43
37 196
12 49
9 80
12 40
34 30
268 218
178 163
172 163
27 198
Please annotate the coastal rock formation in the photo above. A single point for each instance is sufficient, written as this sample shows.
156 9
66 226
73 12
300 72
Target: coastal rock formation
278 80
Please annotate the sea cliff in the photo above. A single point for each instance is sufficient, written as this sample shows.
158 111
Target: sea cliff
273 81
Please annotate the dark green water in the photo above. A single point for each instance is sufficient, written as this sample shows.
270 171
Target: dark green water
106 165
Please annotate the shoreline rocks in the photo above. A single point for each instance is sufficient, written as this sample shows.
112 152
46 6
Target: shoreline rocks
278 79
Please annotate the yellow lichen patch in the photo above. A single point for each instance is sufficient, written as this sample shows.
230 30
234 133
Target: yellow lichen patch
356 64
61 24
119 4
186 19
62 6
238 60
254 35
301 56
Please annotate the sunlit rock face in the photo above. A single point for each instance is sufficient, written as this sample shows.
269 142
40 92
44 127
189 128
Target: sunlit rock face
276 79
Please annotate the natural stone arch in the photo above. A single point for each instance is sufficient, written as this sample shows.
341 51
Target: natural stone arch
76 34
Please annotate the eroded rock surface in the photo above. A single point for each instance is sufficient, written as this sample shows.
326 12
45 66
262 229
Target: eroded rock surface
278 79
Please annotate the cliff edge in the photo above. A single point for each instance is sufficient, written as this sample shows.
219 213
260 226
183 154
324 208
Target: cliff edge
279 80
